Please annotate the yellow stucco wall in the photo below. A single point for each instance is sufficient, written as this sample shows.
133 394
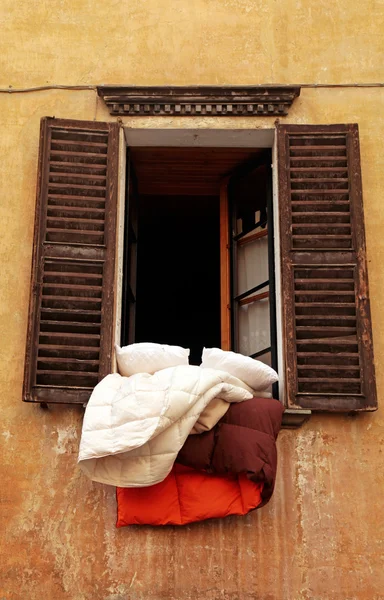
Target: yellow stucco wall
322 535
195 42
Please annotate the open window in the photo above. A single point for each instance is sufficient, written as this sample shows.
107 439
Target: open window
202 252
202 228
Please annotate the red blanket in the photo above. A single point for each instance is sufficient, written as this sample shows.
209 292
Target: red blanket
187 495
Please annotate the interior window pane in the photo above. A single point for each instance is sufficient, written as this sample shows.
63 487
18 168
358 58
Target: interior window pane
252 261
254 327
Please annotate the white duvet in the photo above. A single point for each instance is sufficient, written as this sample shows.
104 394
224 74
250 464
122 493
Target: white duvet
135 426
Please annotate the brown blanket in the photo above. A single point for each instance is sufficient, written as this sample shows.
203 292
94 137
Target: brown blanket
243 441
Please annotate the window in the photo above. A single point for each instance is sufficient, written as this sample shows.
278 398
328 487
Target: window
186 201
319 256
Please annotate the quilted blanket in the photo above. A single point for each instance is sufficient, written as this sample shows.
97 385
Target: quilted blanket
135 426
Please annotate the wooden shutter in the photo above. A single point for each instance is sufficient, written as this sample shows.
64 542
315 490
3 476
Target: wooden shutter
326 316
70 331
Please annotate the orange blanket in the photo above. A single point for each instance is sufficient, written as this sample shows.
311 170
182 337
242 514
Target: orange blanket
185 496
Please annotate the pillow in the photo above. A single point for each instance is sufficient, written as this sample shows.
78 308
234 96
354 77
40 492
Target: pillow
148 357
254 373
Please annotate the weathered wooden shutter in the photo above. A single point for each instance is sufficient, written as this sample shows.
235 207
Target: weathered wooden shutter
70 331
326 316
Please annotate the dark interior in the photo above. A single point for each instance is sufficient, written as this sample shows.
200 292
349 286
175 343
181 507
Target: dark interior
178 272
248 196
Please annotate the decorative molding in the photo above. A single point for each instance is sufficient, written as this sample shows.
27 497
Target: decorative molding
208 101
293 419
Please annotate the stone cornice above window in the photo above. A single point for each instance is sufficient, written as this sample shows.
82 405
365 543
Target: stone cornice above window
192 101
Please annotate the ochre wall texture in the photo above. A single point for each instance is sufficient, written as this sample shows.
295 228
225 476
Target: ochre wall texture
195 42
322 535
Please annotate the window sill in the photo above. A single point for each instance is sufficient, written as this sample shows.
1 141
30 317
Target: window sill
293 419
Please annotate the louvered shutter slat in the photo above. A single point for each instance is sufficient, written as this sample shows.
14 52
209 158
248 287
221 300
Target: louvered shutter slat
69 345
326 317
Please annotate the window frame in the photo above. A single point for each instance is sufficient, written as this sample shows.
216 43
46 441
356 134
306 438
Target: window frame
229 244
225 226
117 181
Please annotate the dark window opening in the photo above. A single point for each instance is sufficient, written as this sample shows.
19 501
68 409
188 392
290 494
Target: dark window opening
199 265
178 272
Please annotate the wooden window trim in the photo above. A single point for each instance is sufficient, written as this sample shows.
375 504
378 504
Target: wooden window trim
225 277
